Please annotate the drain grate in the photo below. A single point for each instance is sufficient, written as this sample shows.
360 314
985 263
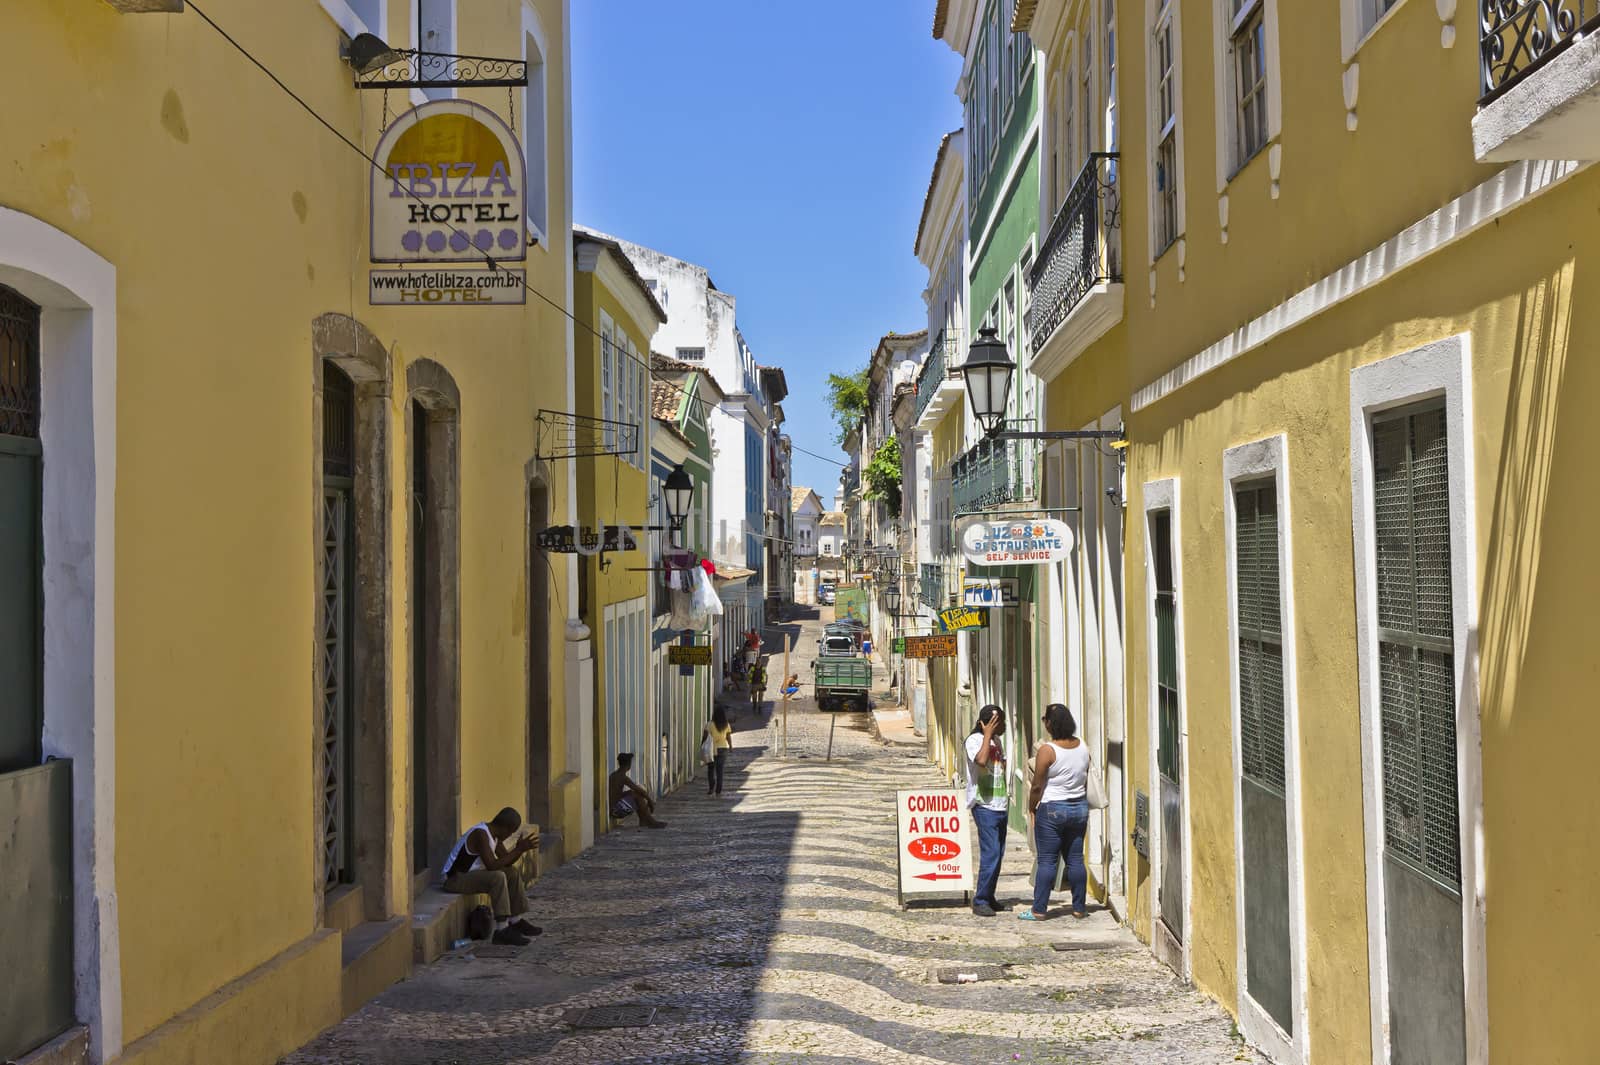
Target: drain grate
964 974
615 1017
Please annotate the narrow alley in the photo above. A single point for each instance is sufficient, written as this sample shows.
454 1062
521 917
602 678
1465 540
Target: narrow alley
763 927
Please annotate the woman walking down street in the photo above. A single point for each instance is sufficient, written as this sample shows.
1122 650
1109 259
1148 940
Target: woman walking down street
986 799
1059 801
721 733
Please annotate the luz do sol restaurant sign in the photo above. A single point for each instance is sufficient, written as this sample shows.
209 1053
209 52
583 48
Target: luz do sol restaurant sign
1023 542
450 197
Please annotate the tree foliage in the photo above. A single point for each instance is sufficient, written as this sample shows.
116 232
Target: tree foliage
883 476
847 395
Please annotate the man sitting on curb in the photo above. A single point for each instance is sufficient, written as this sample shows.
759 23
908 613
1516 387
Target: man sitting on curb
481 864
629 798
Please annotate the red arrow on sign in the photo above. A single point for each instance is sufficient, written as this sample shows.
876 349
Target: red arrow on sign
938 876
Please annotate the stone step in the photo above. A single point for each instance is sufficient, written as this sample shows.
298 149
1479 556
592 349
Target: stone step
373 955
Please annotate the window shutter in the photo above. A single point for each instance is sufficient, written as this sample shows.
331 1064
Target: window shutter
1258 590
1416 656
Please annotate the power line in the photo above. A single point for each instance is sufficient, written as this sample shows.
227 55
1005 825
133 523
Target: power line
489 260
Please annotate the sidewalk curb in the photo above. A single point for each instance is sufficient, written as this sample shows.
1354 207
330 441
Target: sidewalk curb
892 726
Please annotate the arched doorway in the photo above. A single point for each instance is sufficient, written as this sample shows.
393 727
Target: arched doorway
539 572
353 792
433 423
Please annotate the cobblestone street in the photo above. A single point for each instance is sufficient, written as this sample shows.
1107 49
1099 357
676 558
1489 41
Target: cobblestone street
763 927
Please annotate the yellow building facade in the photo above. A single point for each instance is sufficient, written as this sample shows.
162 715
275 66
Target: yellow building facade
614 589
1334 286
296 630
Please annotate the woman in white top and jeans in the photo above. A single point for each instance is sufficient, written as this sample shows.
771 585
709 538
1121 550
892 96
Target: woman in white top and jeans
1059 801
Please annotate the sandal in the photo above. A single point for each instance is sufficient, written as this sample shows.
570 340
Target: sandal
1029 915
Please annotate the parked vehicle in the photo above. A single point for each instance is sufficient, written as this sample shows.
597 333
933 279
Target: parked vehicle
842 680
825 593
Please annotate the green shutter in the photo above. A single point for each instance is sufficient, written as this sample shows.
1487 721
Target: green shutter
1258 590
1416 658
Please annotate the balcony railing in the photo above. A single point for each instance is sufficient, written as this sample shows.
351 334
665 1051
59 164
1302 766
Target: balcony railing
935 587
944 364
1520 36
994 473
1083 248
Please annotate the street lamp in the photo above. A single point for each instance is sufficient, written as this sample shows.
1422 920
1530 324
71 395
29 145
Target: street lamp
891 597
678 490
988 373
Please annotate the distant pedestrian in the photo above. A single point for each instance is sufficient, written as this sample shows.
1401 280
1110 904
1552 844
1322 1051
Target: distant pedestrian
988 802
758 683
720 731
1059 801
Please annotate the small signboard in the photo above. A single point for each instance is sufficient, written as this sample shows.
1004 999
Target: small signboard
469 286
679 654
568 539
1026 542
989 592
899 647
964 617
934 843
930 646
852 603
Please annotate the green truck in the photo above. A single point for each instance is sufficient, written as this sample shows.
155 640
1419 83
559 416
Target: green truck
842 680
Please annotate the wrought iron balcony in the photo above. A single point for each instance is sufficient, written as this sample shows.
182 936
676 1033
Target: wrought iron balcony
1520 36
935 588
995 473
943 364
1082 250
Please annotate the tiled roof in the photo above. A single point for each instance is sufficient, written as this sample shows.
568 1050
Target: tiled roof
1023 18
941 11
627 266
933 179
833 517
659 361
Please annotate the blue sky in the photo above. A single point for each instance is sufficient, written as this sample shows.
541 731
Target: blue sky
786 148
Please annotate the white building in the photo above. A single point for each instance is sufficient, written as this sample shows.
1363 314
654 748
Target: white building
806 513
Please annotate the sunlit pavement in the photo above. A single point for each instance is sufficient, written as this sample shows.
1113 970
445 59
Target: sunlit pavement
763 927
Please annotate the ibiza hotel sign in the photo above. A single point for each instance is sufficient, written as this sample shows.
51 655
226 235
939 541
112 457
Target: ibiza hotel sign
450 197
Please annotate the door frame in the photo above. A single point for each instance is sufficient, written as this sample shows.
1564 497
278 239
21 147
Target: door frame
1441 369
1262 460
1164 495
76 291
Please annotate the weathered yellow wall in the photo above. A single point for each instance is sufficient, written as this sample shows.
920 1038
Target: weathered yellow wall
233 221
1517 289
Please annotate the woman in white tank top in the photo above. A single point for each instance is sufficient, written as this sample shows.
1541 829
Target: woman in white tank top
1059 801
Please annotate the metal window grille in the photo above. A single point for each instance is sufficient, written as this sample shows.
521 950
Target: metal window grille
19 365
1250 79
1416 652
1258 590
1166 611
338 466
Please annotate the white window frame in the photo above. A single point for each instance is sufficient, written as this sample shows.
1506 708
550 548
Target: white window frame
1158 496
1163 13
1441 369
353 23
1225 70
1254 462
608 379
535 127
451 23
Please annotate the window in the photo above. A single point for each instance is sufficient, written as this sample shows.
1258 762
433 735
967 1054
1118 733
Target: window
535 131
1166 122
1257 590
1086 98
607 408
436 32
1168 761
1061 155
691 354
1248 43
1111 74
1416 642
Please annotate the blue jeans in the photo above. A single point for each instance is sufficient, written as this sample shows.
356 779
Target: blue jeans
991 848
1058 830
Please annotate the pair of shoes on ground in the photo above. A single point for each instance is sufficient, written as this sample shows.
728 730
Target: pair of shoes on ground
518 933
986 909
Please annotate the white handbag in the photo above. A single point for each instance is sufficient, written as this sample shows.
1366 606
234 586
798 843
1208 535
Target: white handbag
1096 787
708 750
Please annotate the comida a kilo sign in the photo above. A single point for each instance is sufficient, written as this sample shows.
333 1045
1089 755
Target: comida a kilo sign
452 191
934 850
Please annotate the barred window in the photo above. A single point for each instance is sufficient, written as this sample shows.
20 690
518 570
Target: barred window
1257 586
1416 642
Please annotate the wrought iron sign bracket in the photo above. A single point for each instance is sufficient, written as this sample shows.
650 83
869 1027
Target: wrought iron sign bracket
410 68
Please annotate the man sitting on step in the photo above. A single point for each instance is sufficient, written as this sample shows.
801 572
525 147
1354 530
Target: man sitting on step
629 798
481 864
